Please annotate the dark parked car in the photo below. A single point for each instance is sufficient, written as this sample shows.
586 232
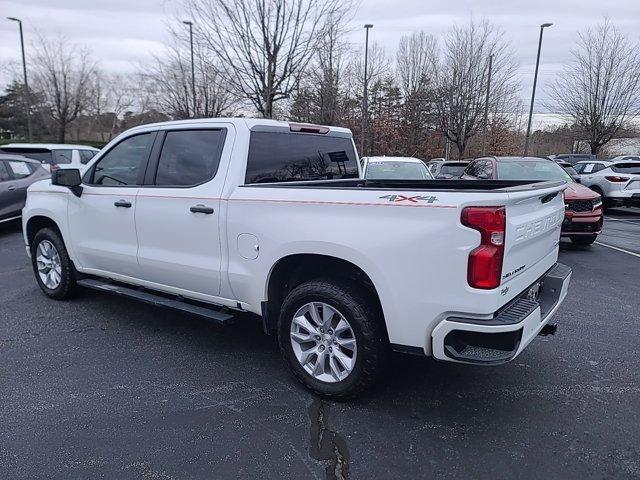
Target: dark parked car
573 157
583 214
449 170
16 174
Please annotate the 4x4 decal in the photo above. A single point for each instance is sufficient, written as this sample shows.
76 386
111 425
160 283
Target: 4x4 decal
413 199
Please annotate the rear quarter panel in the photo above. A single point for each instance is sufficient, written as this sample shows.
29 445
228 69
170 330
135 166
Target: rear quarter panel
415 252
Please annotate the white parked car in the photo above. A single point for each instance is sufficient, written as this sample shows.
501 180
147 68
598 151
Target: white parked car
617 180
394 168
222 215
53 155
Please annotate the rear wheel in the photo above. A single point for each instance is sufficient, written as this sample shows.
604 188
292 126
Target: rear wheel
332 336
52 266
583 239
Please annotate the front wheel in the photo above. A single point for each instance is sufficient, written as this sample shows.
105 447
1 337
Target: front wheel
583 239
52 266
332 336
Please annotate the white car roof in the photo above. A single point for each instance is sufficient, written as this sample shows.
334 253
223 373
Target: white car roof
248 122
625 158
50 146
394 159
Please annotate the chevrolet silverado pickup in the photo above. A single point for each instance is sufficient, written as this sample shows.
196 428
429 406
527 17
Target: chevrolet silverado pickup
221 216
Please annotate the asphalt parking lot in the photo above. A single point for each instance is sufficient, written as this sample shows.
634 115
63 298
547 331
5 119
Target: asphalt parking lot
100 387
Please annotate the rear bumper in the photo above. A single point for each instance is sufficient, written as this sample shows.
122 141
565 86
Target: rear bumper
502 338
623 198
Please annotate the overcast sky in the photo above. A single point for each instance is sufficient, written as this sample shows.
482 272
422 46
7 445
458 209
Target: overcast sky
122 33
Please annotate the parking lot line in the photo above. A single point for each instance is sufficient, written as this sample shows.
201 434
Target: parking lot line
632 222
619 249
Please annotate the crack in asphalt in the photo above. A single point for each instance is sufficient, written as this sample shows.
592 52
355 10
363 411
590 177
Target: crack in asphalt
326 445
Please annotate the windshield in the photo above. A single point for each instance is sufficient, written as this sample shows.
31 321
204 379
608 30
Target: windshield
397 171
531 170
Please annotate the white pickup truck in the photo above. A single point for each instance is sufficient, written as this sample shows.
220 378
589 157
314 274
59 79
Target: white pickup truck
223 215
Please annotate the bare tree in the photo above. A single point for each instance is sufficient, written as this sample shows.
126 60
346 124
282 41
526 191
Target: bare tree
263 46
600 88
110 96
415 58
169 82
461 80
319 96
62 73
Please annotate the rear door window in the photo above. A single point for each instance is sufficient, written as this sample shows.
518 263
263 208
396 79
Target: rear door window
290 157
86 155
4 173
62 156
19 169
189 157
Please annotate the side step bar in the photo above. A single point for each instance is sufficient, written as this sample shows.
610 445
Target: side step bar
156 300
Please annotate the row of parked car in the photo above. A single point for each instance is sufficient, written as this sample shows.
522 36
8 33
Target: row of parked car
592 185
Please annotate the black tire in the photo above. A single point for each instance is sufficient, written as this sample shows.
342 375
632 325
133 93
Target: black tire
67 285
583 239
365 319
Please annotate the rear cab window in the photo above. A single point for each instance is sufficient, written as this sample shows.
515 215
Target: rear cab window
280 156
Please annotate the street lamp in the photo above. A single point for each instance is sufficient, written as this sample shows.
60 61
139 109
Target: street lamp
486 105
364 95
533 94
27 99
193 68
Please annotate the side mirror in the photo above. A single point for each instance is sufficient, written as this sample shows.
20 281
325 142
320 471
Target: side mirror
576 178
68 177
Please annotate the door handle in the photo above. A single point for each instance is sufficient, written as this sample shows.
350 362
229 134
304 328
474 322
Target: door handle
201 209
123 203
11 188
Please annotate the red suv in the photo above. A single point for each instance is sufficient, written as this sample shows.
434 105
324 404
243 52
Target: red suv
583 213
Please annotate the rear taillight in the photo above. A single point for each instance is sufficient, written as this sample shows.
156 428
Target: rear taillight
485 262
616 178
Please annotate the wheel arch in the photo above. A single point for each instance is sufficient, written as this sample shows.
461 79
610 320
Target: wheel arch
294 269
37 223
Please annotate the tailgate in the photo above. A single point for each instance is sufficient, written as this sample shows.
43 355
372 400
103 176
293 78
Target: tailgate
633 184
534 219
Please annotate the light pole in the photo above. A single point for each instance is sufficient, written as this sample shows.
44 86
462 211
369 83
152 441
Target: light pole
486 106
533 94
27 99
193 68
365 108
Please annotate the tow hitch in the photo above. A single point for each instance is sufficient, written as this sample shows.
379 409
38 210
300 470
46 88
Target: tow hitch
548 329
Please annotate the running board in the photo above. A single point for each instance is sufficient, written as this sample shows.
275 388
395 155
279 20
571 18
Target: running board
156 300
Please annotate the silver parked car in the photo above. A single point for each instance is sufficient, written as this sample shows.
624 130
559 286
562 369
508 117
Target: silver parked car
16 174
617 180
53 155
